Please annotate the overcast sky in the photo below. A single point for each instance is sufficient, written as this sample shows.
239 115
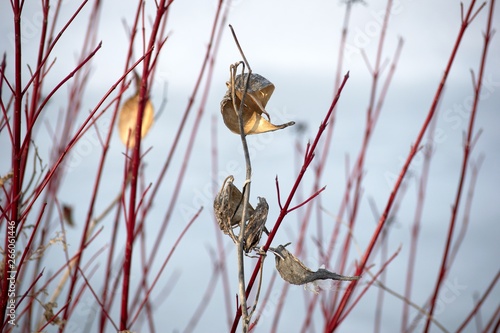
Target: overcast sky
295 45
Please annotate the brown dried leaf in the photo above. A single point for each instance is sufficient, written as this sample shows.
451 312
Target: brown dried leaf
294 271
258 94
228 206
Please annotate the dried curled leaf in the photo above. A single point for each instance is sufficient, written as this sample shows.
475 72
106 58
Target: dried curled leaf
127 118
49 314
294 271
256 225
228 206
256 98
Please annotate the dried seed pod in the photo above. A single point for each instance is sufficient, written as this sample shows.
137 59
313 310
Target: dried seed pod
258 94
256 225
228 206
127 118
294 271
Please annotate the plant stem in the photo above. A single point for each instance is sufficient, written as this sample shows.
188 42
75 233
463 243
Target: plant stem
333 322
465 161
309 155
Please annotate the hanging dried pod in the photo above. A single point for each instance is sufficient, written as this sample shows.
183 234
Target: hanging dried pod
127 118
294 271
259 91
228 206
256 225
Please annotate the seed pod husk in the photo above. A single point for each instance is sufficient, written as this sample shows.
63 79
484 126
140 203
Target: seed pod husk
294 271
228 206
259 91
256 225
127 118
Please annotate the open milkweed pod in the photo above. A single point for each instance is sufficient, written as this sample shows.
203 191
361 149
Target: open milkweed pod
259 91
255 225
228 206
127 118
293 271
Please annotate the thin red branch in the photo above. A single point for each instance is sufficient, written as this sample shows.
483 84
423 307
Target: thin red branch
417 220
102 322
307 200
16 187
164 264
103 309
333 323
465 161
26 294
205 300
365 289
180 177
479 303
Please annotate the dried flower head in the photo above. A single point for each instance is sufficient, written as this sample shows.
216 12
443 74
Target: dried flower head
127 118
228 206
256 225
294 271
259 91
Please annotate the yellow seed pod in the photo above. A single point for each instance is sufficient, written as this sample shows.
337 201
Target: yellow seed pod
127 118
258 93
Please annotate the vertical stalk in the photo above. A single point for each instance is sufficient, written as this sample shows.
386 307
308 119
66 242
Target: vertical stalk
135 165
334 321
445 265
16 155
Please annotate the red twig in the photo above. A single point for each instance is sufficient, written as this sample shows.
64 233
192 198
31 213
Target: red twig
102 323
103 309
479 303
180 178
382 269
55 316
26 294
415 231
205 300
493 322
333 322
307 200
164 264
467 148
16 156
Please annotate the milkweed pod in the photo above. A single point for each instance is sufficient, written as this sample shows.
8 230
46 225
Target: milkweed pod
294 271
127 118
228 206
256 225
258 94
